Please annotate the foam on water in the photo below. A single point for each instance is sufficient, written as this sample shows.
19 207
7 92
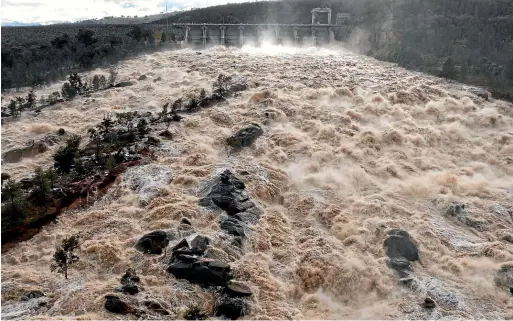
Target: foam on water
351 147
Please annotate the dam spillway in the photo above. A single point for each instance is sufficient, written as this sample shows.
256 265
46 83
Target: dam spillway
207 35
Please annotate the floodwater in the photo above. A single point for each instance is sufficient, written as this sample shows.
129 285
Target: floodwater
352 147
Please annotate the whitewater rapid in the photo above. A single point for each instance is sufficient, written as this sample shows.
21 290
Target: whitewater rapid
352 147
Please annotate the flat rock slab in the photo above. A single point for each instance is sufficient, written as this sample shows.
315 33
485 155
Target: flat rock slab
234 288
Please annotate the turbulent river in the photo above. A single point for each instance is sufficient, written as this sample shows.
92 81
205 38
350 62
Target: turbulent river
352 148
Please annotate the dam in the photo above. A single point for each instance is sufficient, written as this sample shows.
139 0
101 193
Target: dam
204 35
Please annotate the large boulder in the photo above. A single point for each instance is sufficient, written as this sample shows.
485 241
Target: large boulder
245 137
153 243
400 250
231 307
398 245
201 271
115 305
228 193
233 226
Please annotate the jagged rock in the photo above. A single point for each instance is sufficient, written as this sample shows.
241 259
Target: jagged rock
398 244
204 272
429 303
143 77
200 243
166 134
153 243
245 137
231 307
228 194
115 305
233 226
185 221
129 282
61 132
237 289
455 209
124 84
152 140
32 295
156 307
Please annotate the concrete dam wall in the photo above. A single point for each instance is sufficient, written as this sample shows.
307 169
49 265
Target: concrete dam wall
199 36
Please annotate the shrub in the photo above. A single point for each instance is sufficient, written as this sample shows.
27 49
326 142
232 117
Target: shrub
65 156
64 257
14 209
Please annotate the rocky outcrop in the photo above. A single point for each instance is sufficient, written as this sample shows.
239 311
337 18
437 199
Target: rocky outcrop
153 243
228 193
129 282
245 137
115 305
400 250
231 307
200 271
32 295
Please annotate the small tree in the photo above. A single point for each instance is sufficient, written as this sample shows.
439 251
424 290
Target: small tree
106 125
65 156
20 102
448 70
68 91
221 86
14 207
64 257
96 82
163 38
103 82
13 109
51 175
41 191
31 100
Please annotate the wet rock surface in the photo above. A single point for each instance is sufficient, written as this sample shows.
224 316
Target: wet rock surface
245 137
228 193
153 243
32 295
401 251
201 271
129 282
115 305
231 307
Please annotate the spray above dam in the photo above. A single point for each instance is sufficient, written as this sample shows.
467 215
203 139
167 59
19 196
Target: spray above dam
320 32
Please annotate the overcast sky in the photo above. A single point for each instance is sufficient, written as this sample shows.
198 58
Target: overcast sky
51 11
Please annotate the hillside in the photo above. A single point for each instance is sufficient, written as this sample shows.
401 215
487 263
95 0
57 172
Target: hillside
126 20
311 184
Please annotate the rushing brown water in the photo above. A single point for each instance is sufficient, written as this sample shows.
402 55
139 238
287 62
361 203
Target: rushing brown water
352 147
